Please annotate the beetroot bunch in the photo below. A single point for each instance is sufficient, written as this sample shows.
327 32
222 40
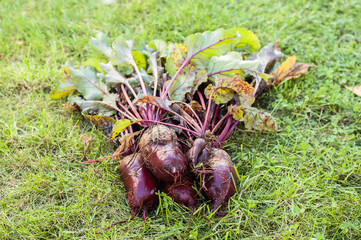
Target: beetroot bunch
170 107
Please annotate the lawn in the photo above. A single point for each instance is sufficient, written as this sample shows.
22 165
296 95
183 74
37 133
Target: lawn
300 183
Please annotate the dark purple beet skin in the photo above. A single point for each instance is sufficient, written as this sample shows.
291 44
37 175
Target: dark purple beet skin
160 148
219 177
140 184
193 154
182 192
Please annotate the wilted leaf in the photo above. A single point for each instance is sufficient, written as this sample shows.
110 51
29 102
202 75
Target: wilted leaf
266 55
247 38
121 125
157 101
227 86
236 112
87 83
195 106
72 108
289 69
64 88
104 122
101 45
259 120
125 141
202 46
187 81
221 95
356 90
178 54
86 141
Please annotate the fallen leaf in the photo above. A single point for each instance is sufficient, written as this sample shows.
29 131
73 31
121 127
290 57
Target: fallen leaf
72 108
86 141
356 90
289 69
125 142
104 122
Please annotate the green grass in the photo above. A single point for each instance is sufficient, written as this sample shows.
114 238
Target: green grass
303 182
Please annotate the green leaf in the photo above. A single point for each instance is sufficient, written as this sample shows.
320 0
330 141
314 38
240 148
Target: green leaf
94 63
177 56
112 76
232 63
259 120
227 65
123 51
111 99
120 126
92 107
202 46
155 69
160 46
187 81
87 83
247 38
64 88
101 45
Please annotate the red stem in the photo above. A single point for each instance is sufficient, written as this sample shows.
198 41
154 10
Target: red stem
202 99
224 132
219 123
129 101
215 115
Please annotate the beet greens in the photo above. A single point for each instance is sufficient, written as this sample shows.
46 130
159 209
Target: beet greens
176 104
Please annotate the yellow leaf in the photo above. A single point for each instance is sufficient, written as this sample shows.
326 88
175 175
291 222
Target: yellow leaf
140 59
356 90
121 125
64 88
289 69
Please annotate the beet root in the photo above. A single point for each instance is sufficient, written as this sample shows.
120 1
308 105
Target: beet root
219 177
140 184
182 192
194 152
160 148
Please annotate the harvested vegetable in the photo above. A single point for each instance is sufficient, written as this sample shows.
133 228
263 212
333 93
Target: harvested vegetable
219 177
140 184
183 192
185 98
160 149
